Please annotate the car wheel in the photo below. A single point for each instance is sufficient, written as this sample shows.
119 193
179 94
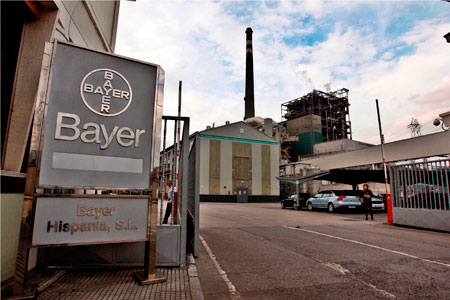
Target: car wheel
330 207
282 205
310 207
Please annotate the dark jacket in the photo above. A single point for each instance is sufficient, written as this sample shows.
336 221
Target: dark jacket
367 201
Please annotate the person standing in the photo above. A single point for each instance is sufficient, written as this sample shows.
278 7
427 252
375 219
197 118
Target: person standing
169 202
367 201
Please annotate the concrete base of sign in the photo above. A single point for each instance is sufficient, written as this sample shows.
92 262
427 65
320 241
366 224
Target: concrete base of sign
168 246
297 207
151 279
29 293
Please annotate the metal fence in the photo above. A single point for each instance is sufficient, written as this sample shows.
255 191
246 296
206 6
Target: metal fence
193 205
420 194
170 237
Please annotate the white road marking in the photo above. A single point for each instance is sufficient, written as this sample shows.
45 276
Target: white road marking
383 292
342 270
231 288
372 246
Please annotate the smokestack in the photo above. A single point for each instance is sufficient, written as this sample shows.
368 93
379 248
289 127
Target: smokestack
249 88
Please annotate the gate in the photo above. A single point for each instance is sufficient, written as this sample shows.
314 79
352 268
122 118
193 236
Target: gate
420 194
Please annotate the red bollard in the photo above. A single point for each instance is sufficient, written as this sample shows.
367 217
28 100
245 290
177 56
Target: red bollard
389 208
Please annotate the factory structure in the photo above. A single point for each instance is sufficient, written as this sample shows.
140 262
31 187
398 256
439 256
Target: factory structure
240 161
315 118
311 150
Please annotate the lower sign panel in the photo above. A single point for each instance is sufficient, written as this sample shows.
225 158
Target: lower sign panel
76 221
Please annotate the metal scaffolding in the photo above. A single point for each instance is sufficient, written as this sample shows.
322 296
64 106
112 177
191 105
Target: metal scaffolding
332 107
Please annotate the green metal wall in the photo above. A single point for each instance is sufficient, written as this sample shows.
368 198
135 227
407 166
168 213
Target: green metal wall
304 145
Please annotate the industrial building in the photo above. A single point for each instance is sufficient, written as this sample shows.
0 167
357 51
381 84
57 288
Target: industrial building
316 118
237 157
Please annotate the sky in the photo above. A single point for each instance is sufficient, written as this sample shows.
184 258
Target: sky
391 51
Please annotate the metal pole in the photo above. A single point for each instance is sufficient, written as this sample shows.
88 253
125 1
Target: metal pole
150 275
163 175
297 200
27 217
173 171
382 146
177 150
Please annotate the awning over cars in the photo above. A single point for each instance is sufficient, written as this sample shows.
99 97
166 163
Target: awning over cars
302 179
351 177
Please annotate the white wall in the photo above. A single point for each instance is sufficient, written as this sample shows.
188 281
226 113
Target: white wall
256 169
204 166
226 167
80 23
274 169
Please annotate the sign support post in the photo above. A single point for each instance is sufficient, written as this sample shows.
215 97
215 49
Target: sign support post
23 251
150 275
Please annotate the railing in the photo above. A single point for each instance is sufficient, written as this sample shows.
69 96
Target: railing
423 185
420 194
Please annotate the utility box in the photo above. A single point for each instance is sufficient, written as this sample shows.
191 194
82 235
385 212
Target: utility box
242 195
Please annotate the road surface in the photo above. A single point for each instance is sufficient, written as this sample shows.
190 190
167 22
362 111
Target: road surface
259 251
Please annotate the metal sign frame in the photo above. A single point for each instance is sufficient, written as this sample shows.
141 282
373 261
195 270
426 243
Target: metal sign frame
155 125
92 197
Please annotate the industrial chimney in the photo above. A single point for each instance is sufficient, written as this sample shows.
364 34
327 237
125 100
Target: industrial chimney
249 88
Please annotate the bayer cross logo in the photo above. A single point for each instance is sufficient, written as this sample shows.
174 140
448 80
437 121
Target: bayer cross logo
106 92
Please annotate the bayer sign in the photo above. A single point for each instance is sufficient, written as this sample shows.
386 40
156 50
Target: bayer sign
100 120
109 98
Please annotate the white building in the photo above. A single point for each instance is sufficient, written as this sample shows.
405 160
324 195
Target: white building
236 156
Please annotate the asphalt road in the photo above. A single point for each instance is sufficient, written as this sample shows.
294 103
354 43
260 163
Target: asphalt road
259 251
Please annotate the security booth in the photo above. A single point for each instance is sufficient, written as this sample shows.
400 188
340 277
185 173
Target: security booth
96 126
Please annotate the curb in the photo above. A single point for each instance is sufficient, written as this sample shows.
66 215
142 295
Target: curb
194 282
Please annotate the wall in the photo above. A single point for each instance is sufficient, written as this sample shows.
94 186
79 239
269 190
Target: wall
304 124
204 166
261 183
11 210
274 169
339 146
226 168
91 24
305 144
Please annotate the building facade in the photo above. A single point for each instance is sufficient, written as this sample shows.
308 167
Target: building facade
238 156
26 26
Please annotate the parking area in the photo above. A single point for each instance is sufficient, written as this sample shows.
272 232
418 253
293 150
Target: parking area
265 252
334 201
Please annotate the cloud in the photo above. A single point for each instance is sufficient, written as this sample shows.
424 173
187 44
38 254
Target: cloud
370 48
